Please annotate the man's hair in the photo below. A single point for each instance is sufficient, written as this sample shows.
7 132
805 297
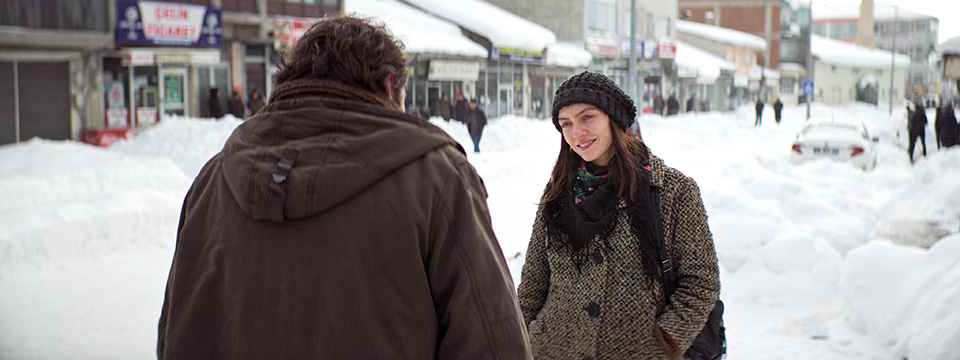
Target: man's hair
355 51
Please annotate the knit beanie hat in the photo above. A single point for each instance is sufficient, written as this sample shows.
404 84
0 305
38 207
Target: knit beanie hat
598 90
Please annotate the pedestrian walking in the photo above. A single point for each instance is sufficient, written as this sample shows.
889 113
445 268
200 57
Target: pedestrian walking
916 127
235 104
777 110
255 102
214 107
590 287
951 130
476 120
759 107
334 226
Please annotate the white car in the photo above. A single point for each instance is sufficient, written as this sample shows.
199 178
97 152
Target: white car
840 140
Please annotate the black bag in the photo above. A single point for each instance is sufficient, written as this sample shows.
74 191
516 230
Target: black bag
711 343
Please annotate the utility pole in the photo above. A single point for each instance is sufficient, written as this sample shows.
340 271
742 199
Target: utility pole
893 55
809 32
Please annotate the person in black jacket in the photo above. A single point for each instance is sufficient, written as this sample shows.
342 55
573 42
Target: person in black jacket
916 126
476 120
673 105
235 104
214 105
759 107
949 129
777 109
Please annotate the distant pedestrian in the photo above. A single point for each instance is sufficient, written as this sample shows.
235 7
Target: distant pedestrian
235 104
690 103
658 105
476 120
673 105
951 130
445 107
213 104
759 107
777 108
460 107
255 102
916 126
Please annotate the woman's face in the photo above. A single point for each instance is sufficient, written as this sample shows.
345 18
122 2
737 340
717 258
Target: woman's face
587 130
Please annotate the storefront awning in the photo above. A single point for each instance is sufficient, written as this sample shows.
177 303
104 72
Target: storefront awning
420 32
693 62
504 29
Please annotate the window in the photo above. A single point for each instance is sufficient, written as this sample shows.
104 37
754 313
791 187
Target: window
602 17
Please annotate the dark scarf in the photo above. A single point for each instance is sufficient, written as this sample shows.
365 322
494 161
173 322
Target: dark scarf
590 209
334 89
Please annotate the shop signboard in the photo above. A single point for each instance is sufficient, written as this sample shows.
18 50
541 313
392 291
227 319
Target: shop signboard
149 23
518 55
453 70
287 30
667 49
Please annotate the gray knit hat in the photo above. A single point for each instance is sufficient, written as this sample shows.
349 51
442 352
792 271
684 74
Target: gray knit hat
598 90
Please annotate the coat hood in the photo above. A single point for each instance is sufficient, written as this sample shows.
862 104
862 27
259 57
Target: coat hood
299 157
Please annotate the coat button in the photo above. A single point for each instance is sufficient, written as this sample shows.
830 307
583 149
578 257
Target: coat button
597 256
593 309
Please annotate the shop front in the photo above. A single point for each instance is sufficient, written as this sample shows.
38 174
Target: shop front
163 51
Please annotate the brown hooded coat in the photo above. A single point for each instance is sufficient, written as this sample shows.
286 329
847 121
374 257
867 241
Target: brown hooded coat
331 228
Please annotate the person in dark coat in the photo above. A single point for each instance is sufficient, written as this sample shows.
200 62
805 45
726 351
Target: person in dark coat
777 109
460 108
658 105
951 130
476 120
311 236
235 104
255 102
214 105
445 107
590 285
759 107
673 105
916 127
689 104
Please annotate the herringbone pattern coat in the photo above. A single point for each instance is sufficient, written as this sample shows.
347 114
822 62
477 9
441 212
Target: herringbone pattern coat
608 308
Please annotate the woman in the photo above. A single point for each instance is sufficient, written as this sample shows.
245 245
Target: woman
590 287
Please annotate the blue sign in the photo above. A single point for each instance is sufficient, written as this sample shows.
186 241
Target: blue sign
150 23
808 87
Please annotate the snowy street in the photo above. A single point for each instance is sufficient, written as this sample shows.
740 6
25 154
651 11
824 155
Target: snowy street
816 258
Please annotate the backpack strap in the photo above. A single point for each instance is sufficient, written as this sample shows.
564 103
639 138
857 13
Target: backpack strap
666 266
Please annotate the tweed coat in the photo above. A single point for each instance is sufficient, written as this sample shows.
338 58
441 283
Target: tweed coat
608 309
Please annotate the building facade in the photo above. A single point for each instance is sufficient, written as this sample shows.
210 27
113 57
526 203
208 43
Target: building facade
93 64
894 29
603 28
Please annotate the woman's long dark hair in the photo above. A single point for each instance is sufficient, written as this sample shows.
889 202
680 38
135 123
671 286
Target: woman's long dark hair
626 168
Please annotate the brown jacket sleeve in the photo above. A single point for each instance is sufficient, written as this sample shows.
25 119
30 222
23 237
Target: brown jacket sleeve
472 289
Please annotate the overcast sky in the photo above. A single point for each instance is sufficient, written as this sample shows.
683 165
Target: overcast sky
946 11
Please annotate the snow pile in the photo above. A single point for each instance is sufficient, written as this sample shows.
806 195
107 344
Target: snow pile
838 52
812 259
721 34
503 28
420 32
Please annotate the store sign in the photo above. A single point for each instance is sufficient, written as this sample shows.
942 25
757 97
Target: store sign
150 57
453 70
286 31
149 23
667 50
602 49
518 55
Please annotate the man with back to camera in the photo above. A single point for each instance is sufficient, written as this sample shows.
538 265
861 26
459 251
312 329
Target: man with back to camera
334 226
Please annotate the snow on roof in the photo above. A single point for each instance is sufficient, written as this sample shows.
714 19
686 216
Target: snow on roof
503 28
951 46
723 35
842 53
852 12
704 65
421 32
570 54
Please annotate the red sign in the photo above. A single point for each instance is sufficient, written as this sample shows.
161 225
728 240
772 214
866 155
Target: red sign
667 49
